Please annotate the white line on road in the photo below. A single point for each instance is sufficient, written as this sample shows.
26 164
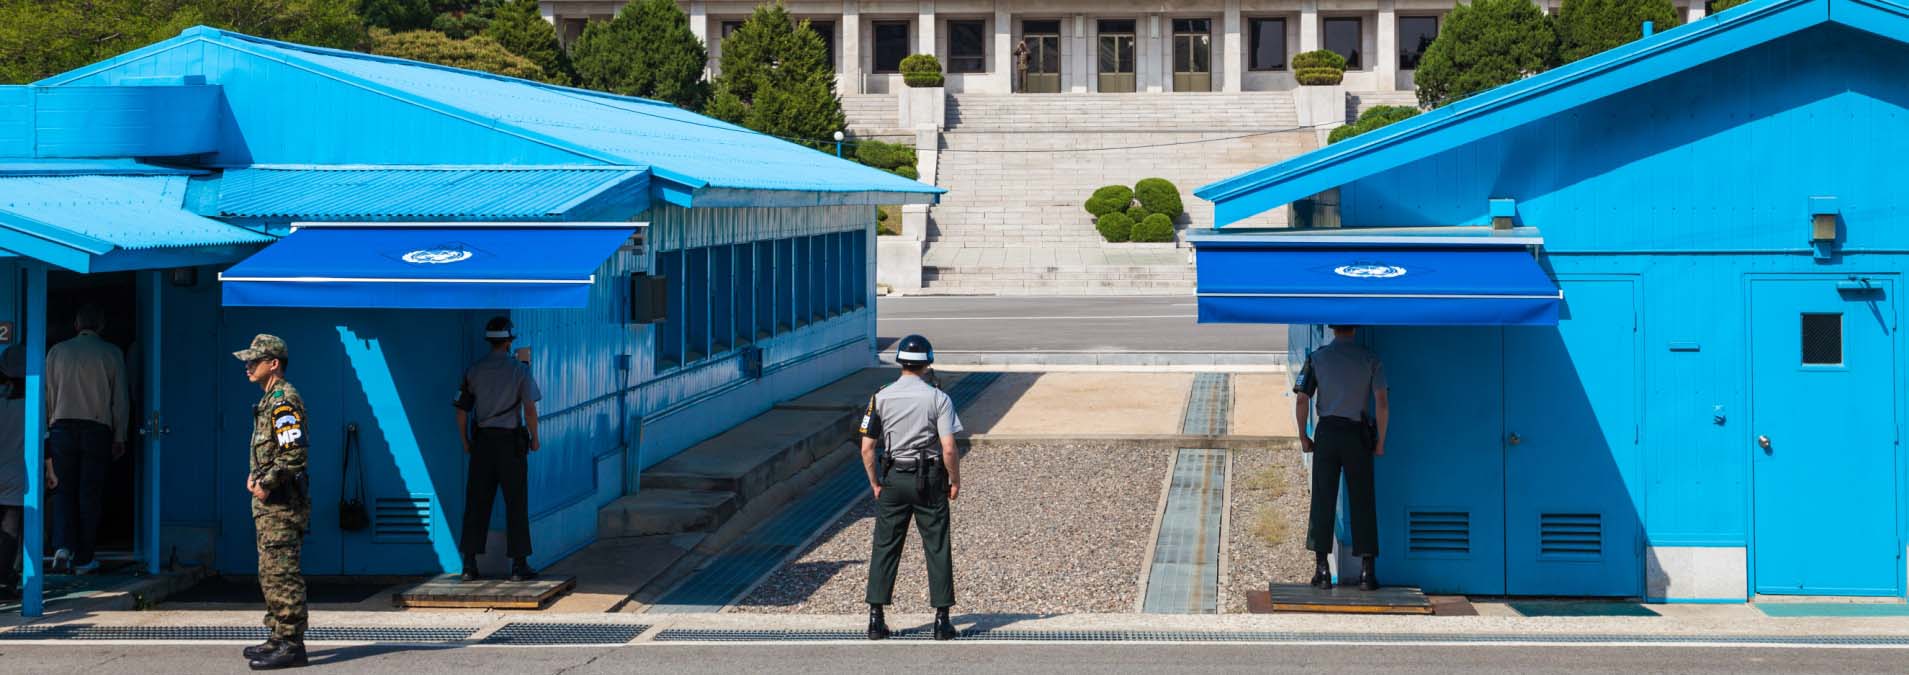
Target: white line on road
1036 318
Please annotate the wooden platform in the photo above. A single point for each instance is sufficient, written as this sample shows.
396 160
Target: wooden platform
1339 600
451 591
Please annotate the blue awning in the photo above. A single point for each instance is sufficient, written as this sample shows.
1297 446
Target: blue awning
1375 286
466 266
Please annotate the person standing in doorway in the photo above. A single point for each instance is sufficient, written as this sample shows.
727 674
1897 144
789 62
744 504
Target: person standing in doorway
1020 65
915 477
497 421
13 471
1337 381
281 501
86 405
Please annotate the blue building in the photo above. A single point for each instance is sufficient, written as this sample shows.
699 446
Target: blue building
1608 378
672 274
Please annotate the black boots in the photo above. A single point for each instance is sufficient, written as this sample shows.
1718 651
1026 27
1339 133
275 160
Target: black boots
281 654
520 570
1322 573
470 570
1368 579
944 629
877 625
261 649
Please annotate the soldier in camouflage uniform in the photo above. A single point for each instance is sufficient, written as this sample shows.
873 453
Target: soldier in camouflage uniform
281 502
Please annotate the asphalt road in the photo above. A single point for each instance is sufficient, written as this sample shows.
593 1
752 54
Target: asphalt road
101 659
1047 324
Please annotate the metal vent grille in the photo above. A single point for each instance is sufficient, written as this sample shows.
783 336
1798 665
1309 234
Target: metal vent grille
1439 533
516 633
232 633
1021 635
1823 339
402 520
1577 536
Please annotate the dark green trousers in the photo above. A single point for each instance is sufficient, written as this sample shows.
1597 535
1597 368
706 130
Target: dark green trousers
900 502
1339 449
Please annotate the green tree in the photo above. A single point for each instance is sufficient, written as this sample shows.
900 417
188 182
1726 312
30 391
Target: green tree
41 39
397 15
648 50
478 53
322 23
1720 5
519 27
1484 44
1372 118
1586 27
777 80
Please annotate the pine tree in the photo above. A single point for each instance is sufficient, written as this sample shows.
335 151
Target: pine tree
520 28
477 53
1484 44
648 50
1586 27
777 80
397 15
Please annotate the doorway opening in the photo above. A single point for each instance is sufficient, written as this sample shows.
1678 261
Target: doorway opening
116 295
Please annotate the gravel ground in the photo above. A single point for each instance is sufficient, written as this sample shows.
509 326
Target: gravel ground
1021 545
1267 537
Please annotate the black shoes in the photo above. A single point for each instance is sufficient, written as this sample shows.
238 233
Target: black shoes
1368 580
284 654
877 625
944 629
470 570
261 649
1322 577
520 570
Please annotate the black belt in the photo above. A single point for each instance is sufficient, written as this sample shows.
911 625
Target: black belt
1335 419
910 465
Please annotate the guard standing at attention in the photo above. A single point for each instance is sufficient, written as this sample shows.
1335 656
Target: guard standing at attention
1338 379
281 502
917 473
497 420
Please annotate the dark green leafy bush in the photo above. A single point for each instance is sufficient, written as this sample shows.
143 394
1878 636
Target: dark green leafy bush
1115 227
1159 196
1156 228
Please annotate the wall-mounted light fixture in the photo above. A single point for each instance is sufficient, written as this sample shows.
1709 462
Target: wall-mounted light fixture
1824 217
1503 213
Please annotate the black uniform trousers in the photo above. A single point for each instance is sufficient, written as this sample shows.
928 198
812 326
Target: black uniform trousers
1339 448
495 463
927 505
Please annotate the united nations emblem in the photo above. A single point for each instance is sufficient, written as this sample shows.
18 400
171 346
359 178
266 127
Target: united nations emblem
437 256
1369 271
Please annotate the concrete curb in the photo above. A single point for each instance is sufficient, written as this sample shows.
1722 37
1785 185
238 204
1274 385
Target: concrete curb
1051 360
1166 441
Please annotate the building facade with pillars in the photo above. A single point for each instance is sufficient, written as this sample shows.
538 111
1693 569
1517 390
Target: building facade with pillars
1086 46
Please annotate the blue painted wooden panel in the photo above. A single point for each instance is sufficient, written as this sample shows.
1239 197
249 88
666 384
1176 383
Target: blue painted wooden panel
16 122
1826 514
127 121
1572 490
1663 166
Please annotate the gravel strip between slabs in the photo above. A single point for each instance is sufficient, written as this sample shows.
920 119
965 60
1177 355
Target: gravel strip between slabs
1267 527
1039 529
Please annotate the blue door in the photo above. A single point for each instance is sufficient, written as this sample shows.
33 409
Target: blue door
1571 524
1441 482
1823 436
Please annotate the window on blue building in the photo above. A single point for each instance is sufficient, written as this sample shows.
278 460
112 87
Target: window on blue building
860 243
817 274
696 305
792 255
722 299
745 294
669 333
765 289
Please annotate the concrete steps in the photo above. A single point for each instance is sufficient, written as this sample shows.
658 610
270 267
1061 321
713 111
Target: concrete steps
871 113
1122 112
1166 279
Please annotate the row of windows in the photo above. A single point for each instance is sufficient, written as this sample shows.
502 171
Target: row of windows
736 294
967 46
824 29
1342 34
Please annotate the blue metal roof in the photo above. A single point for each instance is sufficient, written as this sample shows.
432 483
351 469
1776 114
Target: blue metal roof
75 220
1548 93
439 193
688 150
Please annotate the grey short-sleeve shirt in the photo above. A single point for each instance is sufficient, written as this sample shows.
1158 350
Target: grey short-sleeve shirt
497 385
910 417
1340 378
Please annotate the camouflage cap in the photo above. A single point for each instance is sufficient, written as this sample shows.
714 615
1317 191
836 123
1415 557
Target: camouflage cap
263 347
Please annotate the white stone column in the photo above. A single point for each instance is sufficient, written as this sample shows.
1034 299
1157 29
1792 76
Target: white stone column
699 24
1004 72
925 29
1309 26
1232 48
1151 62
1386 69
851 47
1695 12
1083 56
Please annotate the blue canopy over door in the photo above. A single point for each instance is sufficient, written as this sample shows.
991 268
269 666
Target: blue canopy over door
1460 286
459 266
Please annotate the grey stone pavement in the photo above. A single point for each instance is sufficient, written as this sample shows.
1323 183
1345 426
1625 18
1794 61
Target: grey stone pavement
1147 330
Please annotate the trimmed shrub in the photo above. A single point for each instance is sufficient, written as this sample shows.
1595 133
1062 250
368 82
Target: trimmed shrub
1115 227
1319 58
1372 118
1313 77
1138 213
1160 197
882 155
907 171
921 70
1156 228
1109 199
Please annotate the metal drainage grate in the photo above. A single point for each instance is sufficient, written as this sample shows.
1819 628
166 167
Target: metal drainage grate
1184 575
1016 635
232 633
1208 405
970 387
515 633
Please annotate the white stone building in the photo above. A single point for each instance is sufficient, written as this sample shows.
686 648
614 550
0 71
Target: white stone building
1083 46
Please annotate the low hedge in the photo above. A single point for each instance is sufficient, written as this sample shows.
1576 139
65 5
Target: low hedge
1115 227
1159 197
1319 58
1138 213
1372 118
1156 228
884 155
1313 77
921 70
1110 199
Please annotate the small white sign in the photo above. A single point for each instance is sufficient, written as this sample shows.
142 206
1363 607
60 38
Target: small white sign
1369 271
436 256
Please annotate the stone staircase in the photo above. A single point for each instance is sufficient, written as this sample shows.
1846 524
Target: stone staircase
871 114
1018 168
1359 102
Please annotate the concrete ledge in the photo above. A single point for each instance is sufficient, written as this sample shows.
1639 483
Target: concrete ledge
139 594
750 458
662 511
